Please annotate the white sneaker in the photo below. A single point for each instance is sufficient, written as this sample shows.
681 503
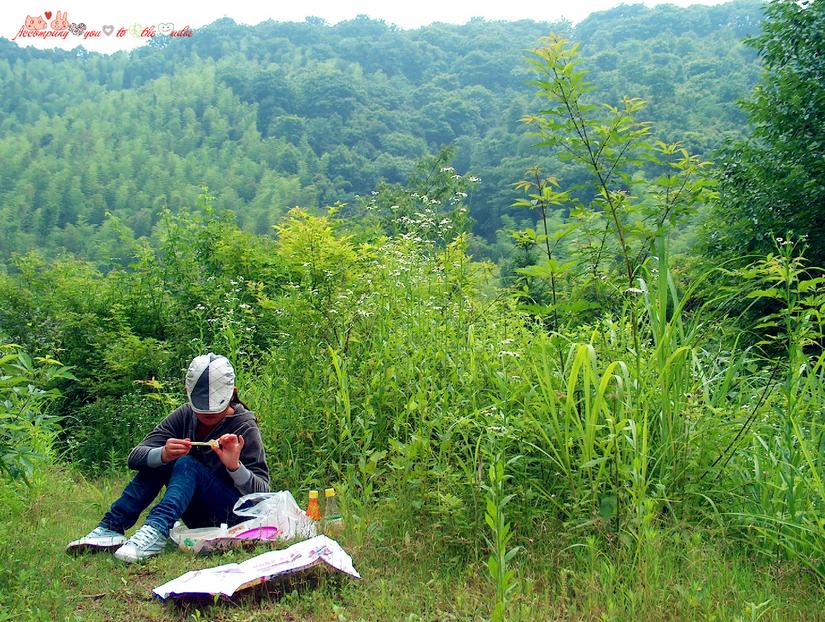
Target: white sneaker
98 539
145 542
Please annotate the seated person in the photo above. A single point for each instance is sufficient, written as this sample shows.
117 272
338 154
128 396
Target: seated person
202 482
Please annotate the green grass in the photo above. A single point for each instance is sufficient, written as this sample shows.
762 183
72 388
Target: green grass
687 574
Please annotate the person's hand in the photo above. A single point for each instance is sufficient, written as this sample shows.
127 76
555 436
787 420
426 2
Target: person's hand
174 449
229 450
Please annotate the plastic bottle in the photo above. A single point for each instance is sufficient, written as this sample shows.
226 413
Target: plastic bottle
313 509
331 511
332 515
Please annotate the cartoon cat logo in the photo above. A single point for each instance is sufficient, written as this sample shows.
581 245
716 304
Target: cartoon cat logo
35 23
61 22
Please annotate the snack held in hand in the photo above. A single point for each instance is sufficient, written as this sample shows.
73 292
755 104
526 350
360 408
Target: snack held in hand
210 443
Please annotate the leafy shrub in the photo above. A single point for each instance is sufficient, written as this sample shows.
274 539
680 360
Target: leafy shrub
27 429
103 432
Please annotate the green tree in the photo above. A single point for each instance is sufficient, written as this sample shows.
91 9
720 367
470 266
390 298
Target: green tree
625 207
773 183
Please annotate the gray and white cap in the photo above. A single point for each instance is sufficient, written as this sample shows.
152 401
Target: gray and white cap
210 382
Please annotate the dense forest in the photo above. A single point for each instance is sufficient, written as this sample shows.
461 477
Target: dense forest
309 114
548 310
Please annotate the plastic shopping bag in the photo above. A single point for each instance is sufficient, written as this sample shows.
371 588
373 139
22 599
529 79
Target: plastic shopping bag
270 516
277 509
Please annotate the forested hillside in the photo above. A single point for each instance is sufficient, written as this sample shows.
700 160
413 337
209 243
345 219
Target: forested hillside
284 114
619 418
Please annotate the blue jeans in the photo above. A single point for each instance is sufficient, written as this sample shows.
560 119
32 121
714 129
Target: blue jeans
193 493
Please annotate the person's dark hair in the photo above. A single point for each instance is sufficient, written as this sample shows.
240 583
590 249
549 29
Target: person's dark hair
236 400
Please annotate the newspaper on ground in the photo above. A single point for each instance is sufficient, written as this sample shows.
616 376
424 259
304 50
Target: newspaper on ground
271 516
229 579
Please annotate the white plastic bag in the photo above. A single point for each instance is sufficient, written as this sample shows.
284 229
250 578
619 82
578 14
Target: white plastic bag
271 516
275 509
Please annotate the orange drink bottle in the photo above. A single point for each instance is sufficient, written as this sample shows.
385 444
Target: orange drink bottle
313 509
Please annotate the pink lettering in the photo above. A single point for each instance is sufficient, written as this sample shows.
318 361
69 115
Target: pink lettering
41 34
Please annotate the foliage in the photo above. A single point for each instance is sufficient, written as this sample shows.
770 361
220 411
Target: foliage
284 114
620 213
382 363
431 205
562 577
103 432
27 429
381 356
771 184
129 334
784 498
501 553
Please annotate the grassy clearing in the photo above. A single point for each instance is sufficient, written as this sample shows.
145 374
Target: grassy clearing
687 574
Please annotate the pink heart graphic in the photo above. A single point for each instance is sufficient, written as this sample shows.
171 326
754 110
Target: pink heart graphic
48 14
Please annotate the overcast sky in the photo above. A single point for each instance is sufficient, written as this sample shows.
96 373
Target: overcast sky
99 13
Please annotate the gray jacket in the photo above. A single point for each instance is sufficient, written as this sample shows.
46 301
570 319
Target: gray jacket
253 474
